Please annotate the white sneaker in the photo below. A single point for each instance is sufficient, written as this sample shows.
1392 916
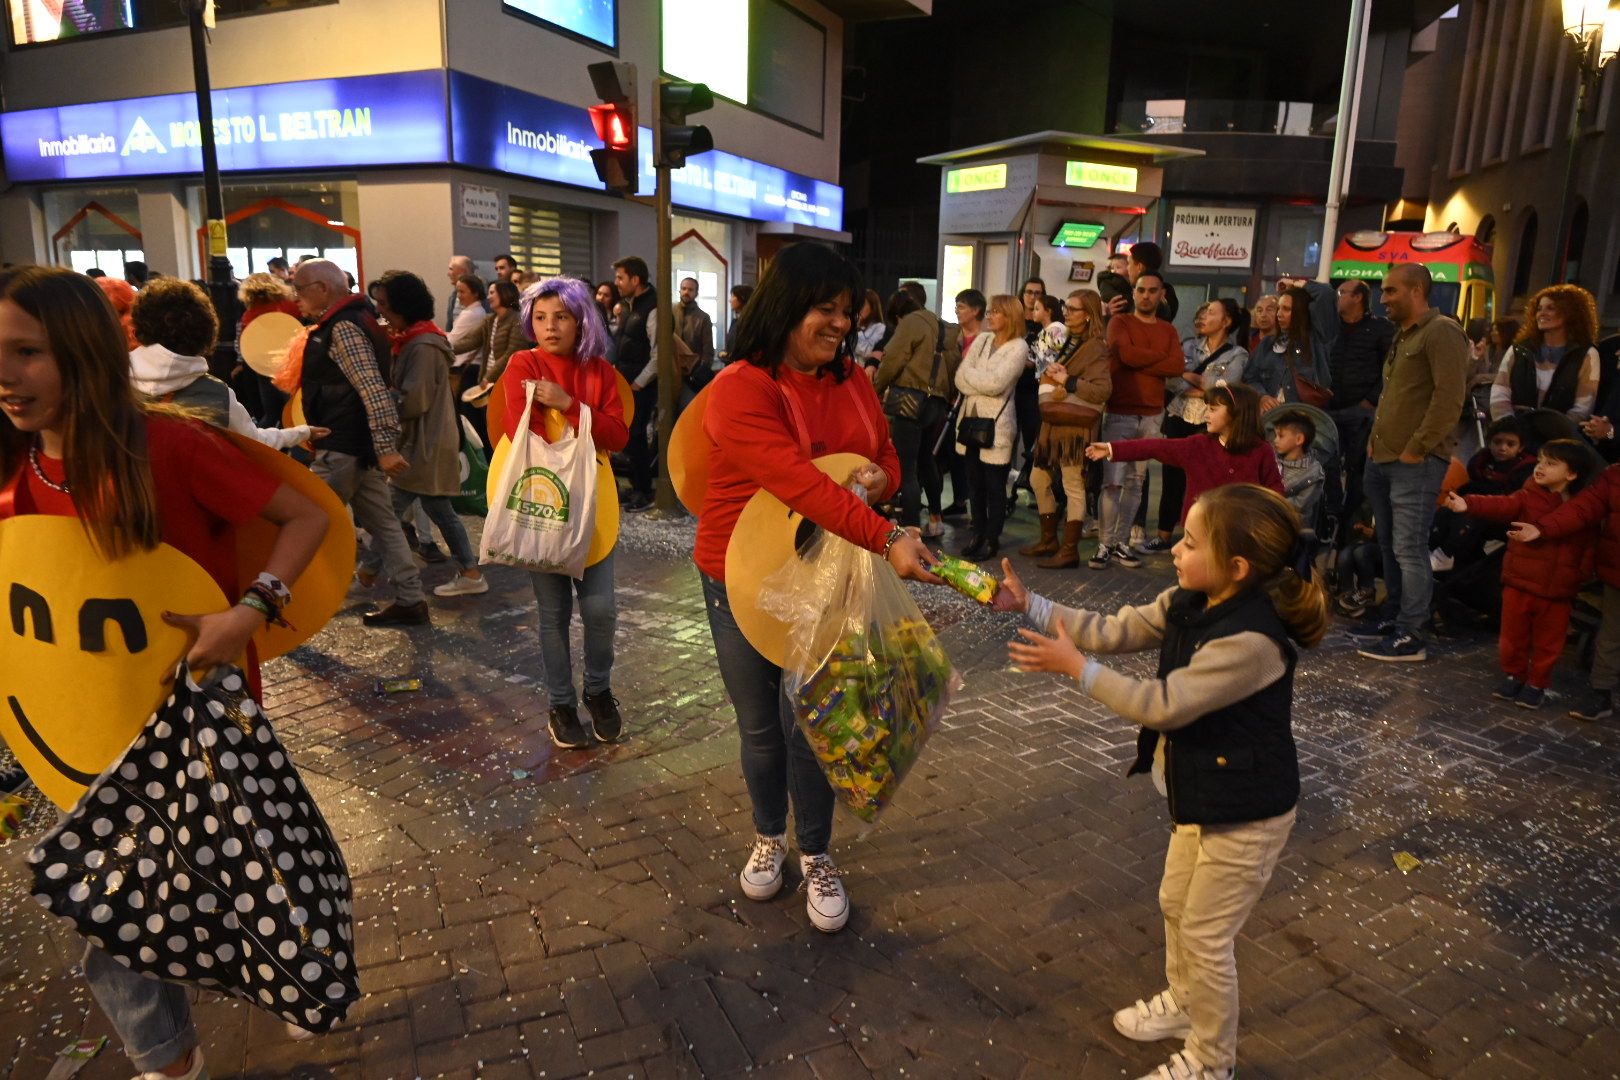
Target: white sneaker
1440 562
827 902
761 879
198 1070
1159 1017
1184 1066
462 585
299 1034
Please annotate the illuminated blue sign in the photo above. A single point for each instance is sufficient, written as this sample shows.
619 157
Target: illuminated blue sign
368 120
508 130
384 120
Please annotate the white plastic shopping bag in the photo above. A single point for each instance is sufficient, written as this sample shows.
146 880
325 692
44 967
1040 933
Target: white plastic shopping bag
546 509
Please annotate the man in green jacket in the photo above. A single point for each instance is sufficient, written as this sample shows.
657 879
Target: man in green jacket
1413 433
914 380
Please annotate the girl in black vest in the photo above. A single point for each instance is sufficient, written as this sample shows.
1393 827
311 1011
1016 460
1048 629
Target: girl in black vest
1216 735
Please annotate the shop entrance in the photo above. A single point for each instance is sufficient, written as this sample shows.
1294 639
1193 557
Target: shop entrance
698 252
100 230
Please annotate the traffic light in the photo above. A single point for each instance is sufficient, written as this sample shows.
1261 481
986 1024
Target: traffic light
615 124
676 138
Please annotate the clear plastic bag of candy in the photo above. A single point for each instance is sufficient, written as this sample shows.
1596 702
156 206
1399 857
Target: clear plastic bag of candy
867 679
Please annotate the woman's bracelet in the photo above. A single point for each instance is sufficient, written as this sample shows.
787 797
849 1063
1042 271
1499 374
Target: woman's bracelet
894 534
251 600
277 588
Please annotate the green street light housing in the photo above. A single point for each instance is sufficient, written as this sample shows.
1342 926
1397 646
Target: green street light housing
677 139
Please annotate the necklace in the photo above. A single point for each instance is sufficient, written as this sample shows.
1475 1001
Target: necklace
33 459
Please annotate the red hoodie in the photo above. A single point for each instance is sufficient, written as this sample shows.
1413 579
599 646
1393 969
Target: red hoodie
763 433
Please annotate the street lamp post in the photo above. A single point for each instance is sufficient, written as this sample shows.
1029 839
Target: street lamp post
1594 26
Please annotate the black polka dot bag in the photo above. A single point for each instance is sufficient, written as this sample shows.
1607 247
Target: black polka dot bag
199 857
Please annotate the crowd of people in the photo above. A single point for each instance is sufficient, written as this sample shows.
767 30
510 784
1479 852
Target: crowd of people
1285 433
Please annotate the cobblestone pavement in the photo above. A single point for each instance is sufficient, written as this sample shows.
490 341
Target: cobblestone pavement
530 913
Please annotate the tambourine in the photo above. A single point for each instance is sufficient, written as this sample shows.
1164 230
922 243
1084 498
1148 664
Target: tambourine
766 536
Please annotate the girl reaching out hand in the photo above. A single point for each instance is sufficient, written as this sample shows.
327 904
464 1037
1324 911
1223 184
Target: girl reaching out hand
1216 735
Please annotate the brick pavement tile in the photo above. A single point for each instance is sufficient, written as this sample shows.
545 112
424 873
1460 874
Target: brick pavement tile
592 1008
710 1038
494 1045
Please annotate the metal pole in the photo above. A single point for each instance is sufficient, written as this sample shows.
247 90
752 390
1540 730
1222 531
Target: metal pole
1343 134
217 272
1561 244
668 374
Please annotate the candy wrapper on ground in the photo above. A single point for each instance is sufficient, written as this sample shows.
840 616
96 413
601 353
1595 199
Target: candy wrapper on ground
865 676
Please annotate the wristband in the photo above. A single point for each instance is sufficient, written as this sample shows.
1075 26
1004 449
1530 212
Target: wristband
894 534
252 601
278 589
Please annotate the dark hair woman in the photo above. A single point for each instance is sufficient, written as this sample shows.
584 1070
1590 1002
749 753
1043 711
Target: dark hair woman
870 328
792 399
1552 364
567 366
1295 351
429 433
77 441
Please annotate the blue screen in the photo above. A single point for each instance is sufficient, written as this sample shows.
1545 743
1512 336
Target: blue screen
587 18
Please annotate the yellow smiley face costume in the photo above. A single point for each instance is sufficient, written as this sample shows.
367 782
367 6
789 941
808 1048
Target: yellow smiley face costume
84 649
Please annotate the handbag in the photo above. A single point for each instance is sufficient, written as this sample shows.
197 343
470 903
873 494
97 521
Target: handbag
1311 392
909 403
544 514
980 431
474 473
1069 411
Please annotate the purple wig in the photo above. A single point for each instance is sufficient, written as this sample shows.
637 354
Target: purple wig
579 297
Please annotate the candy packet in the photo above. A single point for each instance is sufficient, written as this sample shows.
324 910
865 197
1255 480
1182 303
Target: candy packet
967 578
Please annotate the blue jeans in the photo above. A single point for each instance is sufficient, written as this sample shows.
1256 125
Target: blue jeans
152 1018
1402 498
775 757
598 610
441 513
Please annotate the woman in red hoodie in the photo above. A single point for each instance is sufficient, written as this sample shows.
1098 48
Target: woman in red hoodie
1232 449
566 367
789 400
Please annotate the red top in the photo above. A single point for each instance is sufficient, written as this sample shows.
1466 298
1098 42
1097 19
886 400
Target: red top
1206 462
763 433
1553 568
1140 357
205 488
593 382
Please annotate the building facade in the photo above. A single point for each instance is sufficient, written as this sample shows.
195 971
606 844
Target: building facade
391 134
1487 149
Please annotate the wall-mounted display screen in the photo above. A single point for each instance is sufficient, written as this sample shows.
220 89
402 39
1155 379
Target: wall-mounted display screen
52 20
593 19
706 41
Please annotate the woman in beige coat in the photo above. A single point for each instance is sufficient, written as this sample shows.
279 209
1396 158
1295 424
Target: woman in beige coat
986 379
1080 376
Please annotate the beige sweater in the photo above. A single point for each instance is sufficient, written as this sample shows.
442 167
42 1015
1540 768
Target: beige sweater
1224 671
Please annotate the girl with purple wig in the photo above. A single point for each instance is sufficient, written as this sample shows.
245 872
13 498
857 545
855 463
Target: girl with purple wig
565 366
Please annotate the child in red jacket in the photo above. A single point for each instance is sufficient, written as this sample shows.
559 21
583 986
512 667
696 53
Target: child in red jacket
1539 580
1232 449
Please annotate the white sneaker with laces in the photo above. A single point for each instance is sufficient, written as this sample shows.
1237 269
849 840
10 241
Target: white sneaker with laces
1184 1066
827 902
198 1070
761 879
1159 1017
462 585
1440 562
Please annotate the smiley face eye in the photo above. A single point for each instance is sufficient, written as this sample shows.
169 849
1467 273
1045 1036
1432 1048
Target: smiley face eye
25 601
96 614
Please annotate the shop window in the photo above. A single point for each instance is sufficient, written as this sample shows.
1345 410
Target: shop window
35 22
317 218
698 251
94 229
550 240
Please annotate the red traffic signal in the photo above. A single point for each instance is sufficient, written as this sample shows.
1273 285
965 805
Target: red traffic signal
615 125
